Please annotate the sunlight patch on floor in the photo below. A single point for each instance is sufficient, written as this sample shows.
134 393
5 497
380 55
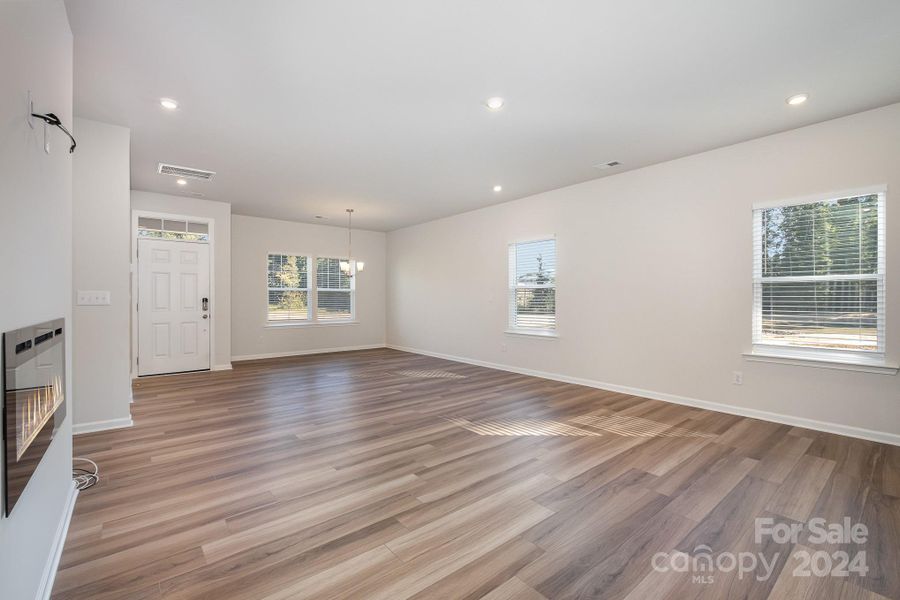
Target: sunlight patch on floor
521 427
431 374
637 427
585 425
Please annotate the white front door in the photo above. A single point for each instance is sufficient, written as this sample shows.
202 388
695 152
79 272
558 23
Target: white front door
173 306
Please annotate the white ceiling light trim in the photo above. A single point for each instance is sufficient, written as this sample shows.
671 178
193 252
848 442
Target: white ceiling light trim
495 103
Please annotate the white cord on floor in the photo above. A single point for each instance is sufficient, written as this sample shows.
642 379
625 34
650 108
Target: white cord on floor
83 478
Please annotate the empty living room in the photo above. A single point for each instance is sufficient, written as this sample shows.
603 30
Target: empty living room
412 299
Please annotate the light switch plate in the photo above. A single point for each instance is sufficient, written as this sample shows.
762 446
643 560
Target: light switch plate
92 298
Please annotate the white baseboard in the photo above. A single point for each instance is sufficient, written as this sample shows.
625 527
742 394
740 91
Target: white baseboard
305 352
49 574
846 430
225 367
79 428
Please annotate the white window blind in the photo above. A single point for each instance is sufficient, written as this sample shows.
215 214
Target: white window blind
818 275
334 291
532 285
288 287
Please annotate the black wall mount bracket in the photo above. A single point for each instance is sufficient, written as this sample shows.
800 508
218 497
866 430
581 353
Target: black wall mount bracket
53 120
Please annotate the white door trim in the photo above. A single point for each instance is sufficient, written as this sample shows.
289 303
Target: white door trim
135 215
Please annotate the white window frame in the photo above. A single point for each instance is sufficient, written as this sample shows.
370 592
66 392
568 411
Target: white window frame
185 235
352 290
862 360
308 290
313 303
511 287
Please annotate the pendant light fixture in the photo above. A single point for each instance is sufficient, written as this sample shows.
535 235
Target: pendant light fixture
346 265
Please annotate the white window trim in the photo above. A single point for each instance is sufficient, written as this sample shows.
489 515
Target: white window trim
309 290
511 329
808 357
866 361
312 319
286 324
822 197
315 282
550 334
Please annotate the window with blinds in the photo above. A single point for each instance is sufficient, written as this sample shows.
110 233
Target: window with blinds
818 275
532 286
334 291
288 277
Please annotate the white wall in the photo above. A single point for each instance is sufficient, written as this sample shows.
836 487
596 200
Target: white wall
253 238
220 303
654 276
101 246
35 256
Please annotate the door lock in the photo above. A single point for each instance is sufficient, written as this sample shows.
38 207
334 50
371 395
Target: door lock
205 304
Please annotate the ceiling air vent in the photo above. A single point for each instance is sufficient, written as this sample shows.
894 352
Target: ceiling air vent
608 165
176 171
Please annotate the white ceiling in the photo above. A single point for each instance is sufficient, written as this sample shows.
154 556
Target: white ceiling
306 108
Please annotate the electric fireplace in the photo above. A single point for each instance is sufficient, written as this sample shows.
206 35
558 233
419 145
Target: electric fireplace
34 363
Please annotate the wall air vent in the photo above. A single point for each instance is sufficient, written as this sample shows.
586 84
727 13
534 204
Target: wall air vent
608 165
176 171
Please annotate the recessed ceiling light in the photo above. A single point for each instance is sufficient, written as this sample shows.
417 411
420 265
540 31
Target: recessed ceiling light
797 99
498 188
495 103
168 103
181 182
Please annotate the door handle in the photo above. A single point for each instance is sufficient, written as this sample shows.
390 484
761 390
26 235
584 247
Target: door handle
205 316
205 305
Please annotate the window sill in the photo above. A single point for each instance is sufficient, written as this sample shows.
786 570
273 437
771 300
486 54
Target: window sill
551 335
846 363
301 324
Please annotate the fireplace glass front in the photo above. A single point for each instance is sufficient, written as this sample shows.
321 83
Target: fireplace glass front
34 377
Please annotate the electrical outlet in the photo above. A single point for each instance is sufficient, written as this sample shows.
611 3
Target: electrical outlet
737 378
502 347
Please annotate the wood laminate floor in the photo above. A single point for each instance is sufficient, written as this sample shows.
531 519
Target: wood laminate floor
382 474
